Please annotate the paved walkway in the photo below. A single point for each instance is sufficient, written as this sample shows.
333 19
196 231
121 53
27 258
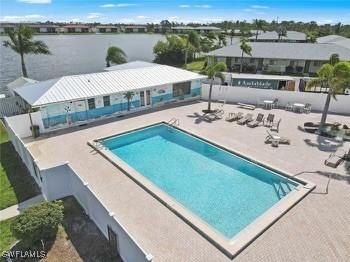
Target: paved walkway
15 210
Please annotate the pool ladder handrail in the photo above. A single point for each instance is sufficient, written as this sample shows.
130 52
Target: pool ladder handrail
174 122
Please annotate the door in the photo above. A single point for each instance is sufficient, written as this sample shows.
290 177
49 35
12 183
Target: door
113 241
80 111
145 98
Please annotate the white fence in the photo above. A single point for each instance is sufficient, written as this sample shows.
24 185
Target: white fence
10 106
61 181
253 95
21 123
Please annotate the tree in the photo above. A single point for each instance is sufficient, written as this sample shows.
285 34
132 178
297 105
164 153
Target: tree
335 76
192 44
222 40
21 41
246 49
165 26
260 26
38 222
115 55
213 71
311 36
232 34
171 51
128 96
281 31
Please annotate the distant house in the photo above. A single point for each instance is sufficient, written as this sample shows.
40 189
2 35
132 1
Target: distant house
106 29
135 29
272 36
5 27
44 28
334 39
75 28
279 58
199 29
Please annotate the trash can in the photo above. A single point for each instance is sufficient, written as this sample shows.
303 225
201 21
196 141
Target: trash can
36 131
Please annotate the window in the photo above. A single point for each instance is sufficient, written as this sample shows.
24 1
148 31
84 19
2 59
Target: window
106 101
252 60
181 89
317 63
292 63
91 103
272 62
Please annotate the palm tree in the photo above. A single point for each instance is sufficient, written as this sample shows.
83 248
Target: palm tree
192 43
335 76
115 55
311 36
213 71
128 96
246 49
260 25
222 40
21 41
232 34
281 31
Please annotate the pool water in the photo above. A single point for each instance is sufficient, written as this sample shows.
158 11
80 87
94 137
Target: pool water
223 189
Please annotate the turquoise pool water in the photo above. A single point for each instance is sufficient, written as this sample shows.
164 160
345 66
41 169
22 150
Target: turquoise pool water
223 189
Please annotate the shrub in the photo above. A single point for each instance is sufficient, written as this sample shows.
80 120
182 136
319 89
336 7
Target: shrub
38 222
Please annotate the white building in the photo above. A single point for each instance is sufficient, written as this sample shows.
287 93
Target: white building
72 100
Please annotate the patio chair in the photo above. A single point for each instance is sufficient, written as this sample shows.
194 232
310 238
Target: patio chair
247 118
276 139
269 120
336 158
307 108
234 116
275 103
275 126
246 106
289 106
216 114
259 119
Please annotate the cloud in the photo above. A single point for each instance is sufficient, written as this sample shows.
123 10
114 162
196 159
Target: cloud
126 21
195 6
75 20
40 2
142 17
259 7
212 20
247 10
117 5
260 13
173 18
15 18
94 15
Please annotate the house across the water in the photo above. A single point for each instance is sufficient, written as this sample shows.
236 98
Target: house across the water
77 99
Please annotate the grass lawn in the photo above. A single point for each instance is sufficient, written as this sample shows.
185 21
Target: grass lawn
16 184
196 65
77 239
6 239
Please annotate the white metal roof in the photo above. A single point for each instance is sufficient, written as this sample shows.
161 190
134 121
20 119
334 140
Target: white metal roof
75 87
20 81
130 65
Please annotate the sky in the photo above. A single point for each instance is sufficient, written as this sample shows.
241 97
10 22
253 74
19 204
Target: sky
153 11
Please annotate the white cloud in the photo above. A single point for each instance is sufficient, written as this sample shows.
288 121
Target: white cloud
117 5
40 2
195 6
259 6
247 10
212 20
142 17
126 21
260 13
94 15
15 18
75 20
173 18
203 6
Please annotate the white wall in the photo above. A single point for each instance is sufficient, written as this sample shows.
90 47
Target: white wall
61 181
253 95
21 123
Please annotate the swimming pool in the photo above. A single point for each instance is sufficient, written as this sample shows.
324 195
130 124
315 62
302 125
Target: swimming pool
224 190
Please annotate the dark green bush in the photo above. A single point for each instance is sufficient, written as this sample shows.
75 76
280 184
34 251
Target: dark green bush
38 222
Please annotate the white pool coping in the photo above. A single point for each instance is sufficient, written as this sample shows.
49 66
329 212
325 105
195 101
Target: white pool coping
230 247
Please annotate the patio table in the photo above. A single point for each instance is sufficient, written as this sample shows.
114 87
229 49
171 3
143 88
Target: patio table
298 107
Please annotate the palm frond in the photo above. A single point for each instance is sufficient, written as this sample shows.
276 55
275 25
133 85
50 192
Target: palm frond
314 83
39 47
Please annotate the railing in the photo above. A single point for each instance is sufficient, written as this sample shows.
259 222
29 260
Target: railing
174 122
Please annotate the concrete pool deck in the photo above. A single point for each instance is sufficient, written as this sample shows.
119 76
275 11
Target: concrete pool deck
317 228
